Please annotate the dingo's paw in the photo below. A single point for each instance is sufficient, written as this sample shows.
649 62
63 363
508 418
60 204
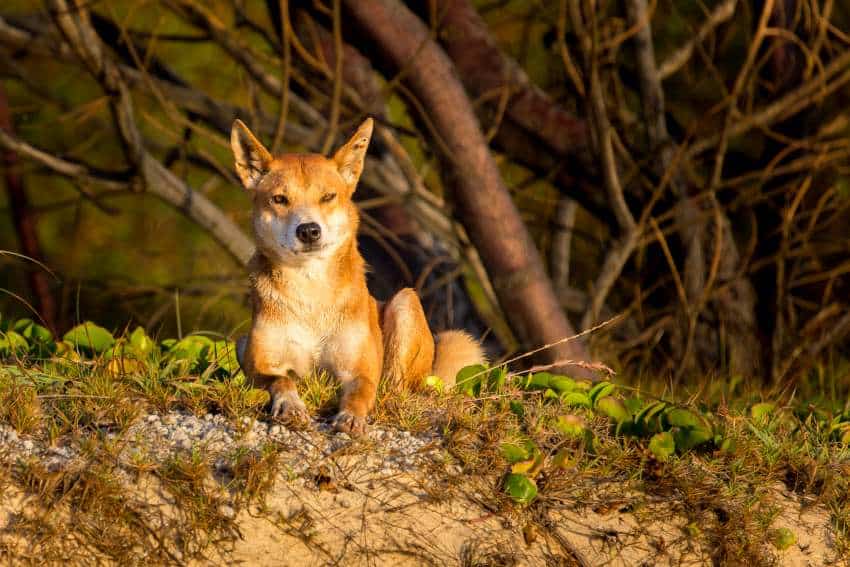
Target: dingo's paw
351 424
289 408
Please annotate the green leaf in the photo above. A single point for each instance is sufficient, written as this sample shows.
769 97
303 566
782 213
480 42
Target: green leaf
687 438
614 409
497 378
192 350
517 408
761 412
90 337
18 326
12 343
538 381
562 384
689 429
634 405
649 411
662 445
562 459
728 446
576 399
67 351
550 394
435 383
141 342
529 467
600 390
570 426
514 453
469 378
521 488
32 331
223 354
117 350
783 538
679 417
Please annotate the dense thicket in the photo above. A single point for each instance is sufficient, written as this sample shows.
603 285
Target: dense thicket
538 168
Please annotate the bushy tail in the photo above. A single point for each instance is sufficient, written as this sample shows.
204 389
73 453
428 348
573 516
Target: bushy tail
455 350
410 351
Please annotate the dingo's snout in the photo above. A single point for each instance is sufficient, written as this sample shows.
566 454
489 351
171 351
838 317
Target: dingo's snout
309 232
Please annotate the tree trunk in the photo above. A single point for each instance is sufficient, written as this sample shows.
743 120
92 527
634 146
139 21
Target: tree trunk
487 211
25 223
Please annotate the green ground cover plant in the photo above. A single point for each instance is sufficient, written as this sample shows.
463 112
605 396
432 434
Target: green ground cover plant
532 439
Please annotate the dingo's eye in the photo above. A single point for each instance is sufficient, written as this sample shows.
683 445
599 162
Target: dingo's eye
328 197
280 200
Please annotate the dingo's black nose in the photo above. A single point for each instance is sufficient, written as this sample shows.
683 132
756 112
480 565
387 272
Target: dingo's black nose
309 232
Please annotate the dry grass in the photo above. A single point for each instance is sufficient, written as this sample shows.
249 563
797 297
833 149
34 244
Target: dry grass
185 507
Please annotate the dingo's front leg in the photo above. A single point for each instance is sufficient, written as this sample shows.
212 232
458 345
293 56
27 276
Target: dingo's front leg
263 370
285 402
354 356
358 397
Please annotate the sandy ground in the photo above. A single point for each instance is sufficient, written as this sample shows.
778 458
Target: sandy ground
341 503
368 519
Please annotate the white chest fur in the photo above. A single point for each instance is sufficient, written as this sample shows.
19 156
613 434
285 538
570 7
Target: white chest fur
299 319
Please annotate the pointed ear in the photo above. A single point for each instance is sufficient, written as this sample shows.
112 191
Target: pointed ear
252 158
350 157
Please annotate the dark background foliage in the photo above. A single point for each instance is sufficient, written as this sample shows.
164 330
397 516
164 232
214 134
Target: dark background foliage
680 164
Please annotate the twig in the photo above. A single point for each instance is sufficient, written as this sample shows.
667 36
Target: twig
577 336
286 64
562 237
333 121
622 249
721 14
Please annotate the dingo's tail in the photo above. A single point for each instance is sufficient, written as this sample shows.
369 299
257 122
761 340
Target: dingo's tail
454 350
410 352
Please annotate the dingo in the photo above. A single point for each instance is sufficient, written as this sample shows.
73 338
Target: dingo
311 307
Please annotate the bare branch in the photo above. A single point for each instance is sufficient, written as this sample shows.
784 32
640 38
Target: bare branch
76 27
722 13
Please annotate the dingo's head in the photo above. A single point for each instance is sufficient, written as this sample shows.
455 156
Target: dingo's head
302 202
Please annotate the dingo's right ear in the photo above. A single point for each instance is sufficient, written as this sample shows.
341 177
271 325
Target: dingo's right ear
252 158
350 157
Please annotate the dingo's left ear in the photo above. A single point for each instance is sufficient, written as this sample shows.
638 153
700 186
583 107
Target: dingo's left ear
252 158
350 157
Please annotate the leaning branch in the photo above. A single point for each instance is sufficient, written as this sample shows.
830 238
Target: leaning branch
75 25
487 211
